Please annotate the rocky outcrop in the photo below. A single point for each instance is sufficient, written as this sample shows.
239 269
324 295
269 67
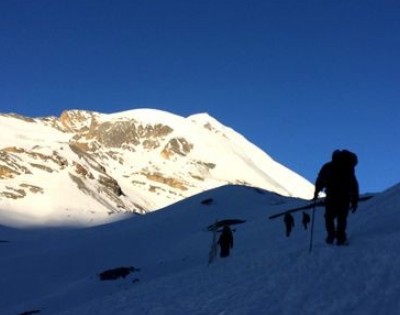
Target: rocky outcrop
111 184
11 165
117 134
13 193
7 172
170 181
179 146
76 120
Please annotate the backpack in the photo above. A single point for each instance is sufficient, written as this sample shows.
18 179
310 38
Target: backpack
344 162
338 176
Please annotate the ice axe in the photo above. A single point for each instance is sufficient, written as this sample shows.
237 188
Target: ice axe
312 227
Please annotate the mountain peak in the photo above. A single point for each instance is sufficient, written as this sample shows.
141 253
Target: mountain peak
133 161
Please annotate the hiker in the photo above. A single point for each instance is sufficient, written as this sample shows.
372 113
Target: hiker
225 241
306 219
338 179
289 223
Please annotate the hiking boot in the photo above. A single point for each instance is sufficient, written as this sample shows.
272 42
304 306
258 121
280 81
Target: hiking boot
329 240
341 239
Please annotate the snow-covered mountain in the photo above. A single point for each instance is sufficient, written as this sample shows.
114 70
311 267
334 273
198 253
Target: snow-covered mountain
85 166
56 271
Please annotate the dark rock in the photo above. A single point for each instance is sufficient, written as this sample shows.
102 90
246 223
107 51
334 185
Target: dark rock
116 273
30 312
207 202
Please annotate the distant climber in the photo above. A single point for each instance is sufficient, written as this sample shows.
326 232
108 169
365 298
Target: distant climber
338 179
289 223
306 220
225 241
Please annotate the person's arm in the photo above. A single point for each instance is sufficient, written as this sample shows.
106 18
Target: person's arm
320 183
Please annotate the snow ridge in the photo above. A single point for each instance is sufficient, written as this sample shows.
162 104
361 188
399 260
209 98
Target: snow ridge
56 270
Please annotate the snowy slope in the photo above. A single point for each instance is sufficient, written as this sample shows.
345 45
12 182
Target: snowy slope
55 270
87 168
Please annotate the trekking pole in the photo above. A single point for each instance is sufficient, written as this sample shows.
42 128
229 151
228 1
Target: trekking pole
312 227
213 250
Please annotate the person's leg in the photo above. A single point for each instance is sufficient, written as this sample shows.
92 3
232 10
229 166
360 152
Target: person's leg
330 214
224 250
343 211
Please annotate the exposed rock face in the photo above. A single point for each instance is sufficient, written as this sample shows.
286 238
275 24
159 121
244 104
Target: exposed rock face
171 182
116 134
178 146
76 120
10 165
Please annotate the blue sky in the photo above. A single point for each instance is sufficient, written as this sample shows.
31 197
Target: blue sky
297 78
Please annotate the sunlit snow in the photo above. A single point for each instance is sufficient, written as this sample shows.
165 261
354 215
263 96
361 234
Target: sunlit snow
234 160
